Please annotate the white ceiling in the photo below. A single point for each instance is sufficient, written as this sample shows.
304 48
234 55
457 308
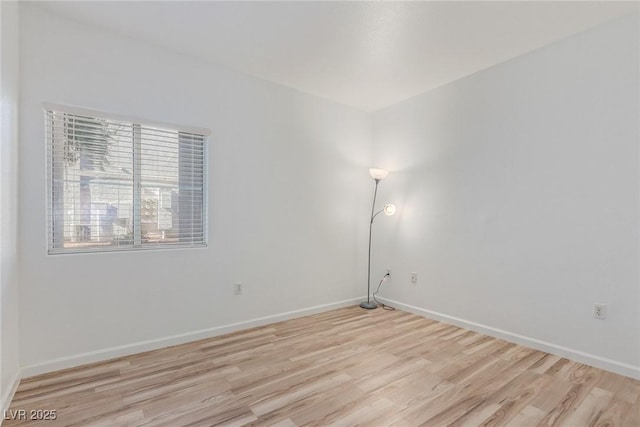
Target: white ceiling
364 54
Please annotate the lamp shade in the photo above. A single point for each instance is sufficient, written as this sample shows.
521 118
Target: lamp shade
389 209
378 173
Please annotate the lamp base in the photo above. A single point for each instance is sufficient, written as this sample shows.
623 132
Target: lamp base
368 305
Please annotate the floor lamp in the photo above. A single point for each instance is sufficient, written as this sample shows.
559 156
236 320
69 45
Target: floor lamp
389 209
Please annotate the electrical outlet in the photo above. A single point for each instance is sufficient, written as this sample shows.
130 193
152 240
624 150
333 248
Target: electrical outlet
600 311
237 288
414 277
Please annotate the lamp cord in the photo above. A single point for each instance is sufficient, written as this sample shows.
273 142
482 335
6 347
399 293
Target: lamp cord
384 306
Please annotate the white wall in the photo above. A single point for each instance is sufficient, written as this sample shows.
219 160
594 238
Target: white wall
288 189
9 361
518 198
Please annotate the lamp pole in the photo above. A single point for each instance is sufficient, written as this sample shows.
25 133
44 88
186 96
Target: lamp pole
368 304
389 209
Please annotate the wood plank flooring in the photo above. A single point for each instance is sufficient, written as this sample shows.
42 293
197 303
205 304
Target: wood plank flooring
344 367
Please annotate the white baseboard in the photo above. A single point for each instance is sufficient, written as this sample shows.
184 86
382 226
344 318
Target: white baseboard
7 396
569 353
139 347
125 350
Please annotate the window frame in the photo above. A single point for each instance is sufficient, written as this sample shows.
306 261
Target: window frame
136 123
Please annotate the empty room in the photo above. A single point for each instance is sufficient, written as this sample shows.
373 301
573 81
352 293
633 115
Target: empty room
339 213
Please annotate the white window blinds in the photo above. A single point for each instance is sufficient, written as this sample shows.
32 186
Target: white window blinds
117 184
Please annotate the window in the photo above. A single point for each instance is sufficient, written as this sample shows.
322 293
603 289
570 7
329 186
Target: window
119 185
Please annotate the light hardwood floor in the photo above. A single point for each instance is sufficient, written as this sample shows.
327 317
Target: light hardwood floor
344 367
